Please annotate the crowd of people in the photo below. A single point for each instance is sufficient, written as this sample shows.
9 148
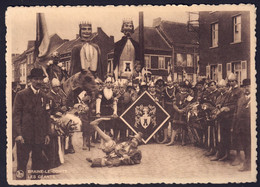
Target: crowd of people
212 115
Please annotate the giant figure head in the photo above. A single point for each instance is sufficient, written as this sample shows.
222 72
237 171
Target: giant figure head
127 27
85 30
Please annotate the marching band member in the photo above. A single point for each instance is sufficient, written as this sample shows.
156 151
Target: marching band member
221 129
180 102
123 101
152 91
143 87
169 95
210 97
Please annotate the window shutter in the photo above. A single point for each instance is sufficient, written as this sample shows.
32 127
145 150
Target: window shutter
243 70
228 69
208 71
219 72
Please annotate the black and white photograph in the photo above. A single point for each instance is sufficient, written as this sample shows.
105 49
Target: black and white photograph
131 94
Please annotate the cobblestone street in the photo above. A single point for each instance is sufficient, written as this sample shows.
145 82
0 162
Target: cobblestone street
160 163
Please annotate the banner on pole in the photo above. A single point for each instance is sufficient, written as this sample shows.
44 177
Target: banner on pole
145 115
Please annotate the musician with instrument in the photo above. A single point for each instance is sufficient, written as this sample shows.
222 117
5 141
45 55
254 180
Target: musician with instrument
219 115
180 104
210 96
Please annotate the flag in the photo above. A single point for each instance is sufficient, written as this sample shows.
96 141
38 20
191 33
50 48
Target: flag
42 37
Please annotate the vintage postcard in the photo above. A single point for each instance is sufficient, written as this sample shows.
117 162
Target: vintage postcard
131 94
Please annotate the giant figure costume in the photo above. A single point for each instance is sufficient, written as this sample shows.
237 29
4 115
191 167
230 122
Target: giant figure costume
126 52
86 55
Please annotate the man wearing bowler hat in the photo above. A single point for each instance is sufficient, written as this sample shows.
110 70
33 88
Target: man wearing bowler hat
31 126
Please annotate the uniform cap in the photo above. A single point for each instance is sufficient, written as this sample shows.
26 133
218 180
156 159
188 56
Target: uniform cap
55 82
109 79
222 83
143 83
151 84
46 80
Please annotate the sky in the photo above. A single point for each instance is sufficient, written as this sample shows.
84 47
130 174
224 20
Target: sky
64 21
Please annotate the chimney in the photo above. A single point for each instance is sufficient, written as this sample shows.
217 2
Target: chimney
30 44
112 38
99 30
156 22
141 37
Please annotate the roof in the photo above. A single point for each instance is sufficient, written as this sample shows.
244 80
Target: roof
67 46
55 42
177 33
152 39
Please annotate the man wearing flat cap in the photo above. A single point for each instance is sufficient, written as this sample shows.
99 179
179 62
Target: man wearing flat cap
31 127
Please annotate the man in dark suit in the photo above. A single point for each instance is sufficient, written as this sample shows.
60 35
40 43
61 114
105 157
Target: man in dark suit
31 125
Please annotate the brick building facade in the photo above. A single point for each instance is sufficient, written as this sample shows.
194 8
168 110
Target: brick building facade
224 44
170 42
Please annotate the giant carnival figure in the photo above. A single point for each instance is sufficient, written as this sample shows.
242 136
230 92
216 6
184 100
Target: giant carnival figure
126 53
86 55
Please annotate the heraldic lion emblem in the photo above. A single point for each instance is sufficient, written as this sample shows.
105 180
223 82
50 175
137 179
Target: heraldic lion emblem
145 116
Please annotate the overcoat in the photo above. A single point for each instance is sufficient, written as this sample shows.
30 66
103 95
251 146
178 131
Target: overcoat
30 116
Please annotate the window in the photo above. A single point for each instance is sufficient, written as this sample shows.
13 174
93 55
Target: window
109 66
237 28
214 35
189 60
167 62
147 62
154 62
181 60
161 64
229 67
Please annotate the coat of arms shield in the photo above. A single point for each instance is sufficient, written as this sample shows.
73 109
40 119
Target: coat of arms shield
145 115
